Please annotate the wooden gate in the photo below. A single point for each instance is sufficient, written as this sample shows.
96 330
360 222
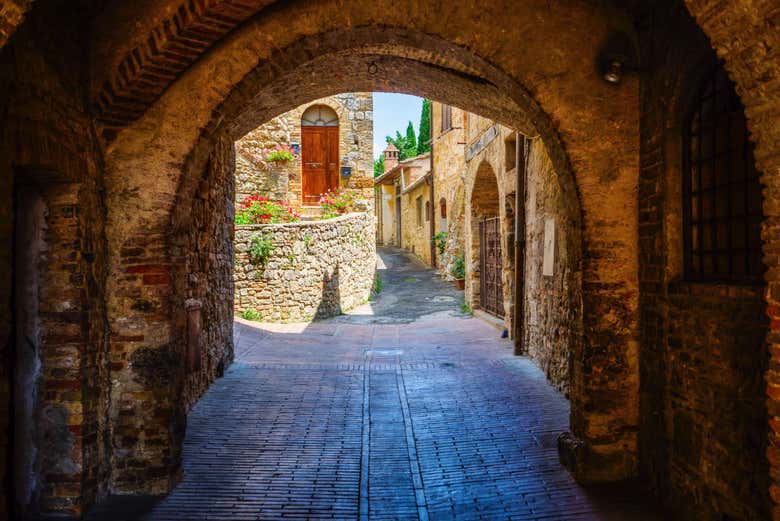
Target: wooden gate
491 292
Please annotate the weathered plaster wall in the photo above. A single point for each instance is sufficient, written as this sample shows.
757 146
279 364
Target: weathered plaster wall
316 269
552 322
416 236
703 413
254 175
386 230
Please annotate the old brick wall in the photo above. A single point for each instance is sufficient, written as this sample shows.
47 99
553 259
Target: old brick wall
552 310
254 175
48 142
316 269
703 417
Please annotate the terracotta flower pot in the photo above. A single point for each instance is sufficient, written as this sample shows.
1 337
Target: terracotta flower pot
460 283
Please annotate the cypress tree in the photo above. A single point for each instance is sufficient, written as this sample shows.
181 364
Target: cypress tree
424 135
410 141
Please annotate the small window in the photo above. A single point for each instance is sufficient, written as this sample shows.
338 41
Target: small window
446 118
443 208
419 211
510 152
319 116
427 211
722 200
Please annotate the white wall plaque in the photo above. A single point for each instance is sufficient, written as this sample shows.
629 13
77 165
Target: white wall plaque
548 262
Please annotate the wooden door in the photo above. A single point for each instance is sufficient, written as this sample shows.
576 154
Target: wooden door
491 288
320 157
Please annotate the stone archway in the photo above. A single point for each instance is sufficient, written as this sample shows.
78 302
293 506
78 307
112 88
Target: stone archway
186 151
483 202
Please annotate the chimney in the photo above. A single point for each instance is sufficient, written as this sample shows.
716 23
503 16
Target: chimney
391 156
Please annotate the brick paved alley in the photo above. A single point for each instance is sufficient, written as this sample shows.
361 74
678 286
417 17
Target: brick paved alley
395 414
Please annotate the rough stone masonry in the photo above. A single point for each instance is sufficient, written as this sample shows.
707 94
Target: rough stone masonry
315 269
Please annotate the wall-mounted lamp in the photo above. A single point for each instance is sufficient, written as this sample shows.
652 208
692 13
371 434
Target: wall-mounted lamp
617 58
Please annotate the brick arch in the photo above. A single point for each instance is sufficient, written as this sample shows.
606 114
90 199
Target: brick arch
161 166
11 16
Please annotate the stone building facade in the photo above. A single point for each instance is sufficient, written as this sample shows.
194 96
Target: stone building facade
478 161
403 203
123 117
315 269
285 182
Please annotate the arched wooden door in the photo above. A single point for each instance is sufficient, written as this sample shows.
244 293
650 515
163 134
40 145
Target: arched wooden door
319 152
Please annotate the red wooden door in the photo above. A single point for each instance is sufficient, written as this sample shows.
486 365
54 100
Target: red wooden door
320 157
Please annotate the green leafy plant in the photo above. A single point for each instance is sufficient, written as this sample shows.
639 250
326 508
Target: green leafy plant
280 154
377 284
337 202
251 314
465 308
307 239
441 241
255 209
260 250
458 269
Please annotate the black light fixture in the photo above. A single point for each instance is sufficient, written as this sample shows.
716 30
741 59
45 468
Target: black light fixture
614 71
616 58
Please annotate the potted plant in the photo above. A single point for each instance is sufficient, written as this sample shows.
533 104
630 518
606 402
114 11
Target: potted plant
280 155
458 271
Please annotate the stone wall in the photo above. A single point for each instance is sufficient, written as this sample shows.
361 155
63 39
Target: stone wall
449 173
254 175
489 192
703 414
316 269
207 323
552 324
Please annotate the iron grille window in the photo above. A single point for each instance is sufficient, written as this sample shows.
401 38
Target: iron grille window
446 118
722 201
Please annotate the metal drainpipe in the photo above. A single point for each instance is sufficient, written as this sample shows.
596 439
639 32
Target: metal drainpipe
520 182
432 230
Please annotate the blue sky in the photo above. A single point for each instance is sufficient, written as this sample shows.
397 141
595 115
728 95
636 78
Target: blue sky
393 112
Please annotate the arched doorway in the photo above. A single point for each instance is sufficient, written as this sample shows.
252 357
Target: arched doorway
484 251
320 152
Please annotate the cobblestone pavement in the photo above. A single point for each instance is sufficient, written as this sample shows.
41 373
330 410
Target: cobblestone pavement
427 417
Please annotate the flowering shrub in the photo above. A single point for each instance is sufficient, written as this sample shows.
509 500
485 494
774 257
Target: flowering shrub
262 210
280 154
337 202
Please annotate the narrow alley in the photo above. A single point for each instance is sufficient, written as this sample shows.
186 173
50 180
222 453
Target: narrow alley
405 409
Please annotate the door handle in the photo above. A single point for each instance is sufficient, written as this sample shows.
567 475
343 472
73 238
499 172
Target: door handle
312 164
